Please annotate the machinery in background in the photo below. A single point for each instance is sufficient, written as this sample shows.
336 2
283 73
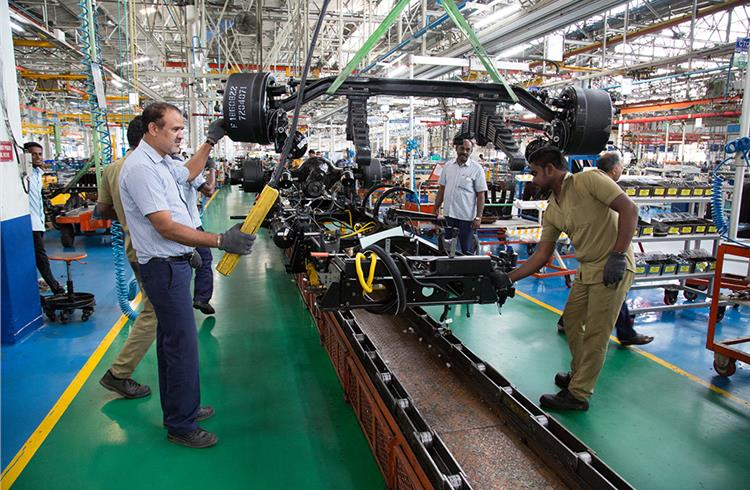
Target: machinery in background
74 216
342 226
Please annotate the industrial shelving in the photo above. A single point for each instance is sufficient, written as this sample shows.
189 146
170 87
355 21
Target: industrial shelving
673 283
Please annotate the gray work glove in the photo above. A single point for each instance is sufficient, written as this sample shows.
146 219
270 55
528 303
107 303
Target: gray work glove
236 242
216 131
614 269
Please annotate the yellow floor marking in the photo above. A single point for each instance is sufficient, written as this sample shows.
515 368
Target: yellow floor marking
652 357
24 455
32 444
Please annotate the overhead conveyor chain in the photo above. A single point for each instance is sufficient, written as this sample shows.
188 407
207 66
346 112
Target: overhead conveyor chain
343 334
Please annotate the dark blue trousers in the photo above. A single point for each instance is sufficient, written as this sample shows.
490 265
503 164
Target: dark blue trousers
465 234
623 326
167 285
204 276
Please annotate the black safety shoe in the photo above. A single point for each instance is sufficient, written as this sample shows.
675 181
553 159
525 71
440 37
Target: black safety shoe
563 401
205 308
563 380
204 413
560 326
198 439
126 387
639 339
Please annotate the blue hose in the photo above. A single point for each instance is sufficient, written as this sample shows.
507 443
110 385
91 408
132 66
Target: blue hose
740 145
123 289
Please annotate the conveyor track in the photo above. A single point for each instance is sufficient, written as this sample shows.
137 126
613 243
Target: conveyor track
436 416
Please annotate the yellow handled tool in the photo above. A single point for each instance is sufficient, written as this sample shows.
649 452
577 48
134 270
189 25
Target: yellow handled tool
254 219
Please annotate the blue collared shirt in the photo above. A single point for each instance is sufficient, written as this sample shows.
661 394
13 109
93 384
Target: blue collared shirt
191 196
189 190
150 183
36 206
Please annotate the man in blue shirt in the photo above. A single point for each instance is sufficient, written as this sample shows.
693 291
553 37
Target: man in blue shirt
204 276
164 238
36 210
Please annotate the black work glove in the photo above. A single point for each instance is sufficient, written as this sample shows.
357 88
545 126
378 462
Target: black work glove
503 286
614 269
216 131
236 242
196 261
501 280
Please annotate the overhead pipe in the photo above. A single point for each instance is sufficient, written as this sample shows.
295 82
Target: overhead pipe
679 117
667 106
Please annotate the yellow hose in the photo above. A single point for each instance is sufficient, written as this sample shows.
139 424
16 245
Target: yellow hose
366 285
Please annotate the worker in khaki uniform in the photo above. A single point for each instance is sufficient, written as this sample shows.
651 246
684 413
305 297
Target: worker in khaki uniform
143 331
600 220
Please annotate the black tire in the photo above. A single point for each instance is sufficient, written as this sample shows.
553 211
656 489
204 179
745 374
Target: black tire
67 235
670 296
253 179
690 296
725 370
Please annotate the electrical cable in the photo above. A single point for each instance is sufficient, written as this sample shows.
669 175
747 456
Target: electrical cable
284 158
398 304
385 194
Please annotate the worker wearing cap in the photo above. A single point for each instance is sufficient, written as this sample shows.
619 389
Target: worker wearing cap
164 239
600 220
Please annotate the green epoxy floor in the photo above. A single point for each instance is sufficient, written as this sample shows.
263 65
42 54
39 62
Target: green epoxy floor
280 413
283 422
658 429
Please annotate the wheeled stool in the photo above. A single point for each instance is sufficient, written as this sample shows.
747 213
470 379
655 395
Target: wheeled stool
66 303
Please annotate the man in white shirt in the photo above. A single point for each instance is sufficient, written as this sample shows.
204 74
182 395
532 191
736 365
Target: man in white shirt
462 191
36 210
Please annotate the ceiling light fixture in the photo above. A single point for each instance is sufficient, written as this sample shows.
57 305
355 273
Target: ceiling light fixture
499 15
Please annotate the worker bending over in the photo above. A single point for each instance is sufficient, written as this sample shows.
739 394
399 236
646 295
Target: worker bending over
600 220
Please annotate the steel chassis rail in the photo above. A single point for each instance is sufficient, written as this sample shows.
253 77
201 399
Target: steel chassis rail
563 452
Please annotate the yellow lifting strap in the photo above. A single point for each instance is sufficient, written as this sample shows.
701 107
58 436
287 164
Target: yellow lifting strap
254 219
366 285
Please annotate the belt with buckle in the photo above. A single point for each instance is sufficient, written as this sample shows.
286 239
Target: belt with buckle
176 258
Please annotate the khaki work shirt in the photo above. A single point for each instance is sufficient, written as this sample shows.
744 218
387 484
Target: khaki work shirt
582 211
109 193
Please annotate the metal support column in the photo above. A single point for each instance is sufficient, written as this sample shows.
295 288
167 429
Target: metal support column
739 172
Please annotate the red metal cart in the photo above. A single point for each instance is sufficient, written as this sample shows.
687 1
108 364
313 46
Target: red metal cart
726 354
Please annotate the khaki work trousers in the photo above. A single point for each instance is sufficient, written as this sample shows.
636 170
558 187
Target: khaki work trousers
590 313
141 336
